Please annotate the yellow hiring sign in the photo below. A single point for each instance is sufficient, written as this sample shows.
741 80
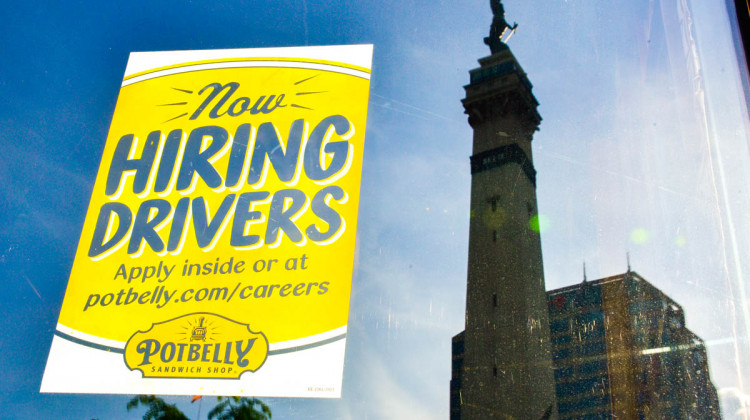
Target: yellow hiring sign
218 248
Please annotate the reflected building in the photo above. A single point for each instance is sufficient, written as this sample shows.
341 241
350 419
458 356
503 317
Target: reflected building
620 349
608 349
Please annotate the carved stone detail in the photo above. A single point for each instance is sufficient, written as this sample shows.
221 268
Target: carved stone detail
502 105
503 155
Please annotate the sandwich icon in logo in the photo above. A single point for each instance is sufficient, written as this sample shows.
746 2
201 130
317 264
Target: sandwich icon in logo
199 332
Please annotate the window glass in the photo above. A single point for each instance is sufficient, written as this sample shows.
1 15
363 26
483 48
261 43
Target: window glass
641 164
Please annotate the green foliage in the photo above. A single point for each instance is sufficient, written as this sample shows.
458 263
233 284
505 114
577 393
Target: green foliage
237 408
158 409
228 408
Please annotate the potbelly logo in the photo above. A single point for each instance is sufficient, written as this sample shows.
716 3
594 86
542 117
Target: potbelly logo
198 345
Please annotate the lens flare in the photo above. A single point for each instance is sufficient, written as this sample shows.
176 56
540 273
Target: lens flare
639 236
539 223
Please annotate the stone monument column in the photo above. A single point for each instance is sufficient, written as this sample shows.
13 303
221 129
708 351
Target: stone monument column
507 367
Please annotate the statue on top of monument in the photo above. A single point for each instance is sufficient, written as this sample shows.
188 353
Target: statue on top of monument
498 28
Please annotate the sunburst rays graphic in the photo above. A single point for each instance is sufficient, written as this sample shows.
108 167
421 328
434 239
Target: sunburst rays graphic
299 95
192 331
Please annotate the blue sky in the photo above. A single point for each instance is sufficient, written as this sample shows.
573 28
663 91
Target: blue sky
635 154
